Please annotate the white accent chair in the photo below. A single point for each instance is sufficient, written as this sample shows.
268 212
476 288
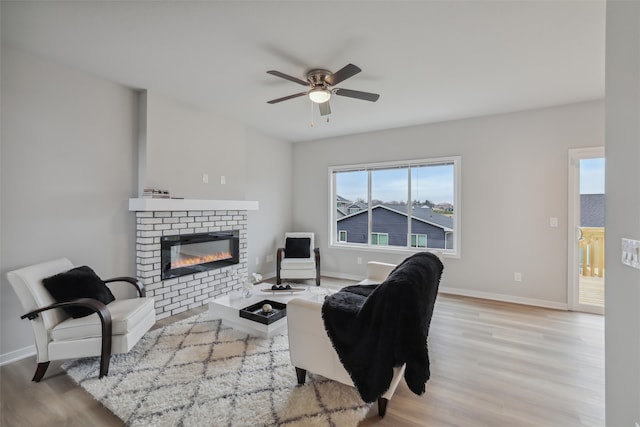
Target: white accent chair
112 329
310 347
291 265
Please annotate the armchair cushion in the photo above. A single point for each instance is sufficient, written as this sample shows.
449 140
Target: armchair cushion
126 315
297 247
79 282
298 264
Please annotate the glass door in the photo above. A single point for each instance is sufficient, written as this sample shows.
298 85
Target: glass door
586 230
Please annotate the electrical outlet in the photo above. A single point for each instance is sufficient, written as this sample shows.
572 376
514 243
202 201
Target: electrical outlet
223 179
205 178
257 260
517 276
359 260
553 222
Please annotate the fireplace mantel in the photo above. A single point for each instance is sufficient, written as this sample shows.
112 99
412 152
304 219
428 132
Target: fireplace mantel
151 205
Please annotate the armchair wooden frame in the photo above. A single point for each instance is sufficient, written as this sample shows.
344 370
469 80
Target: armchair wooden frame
105 320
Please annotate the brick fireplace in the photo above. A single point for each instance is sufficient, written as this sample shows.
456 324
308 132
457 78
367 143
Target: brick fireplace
157 218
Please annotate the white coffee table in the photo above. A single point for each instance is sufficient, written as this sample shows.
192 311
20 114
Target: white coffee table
228 307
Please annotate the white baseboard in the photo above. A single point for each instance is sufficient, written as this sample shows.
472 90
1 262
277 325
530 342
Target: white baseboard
266 276
19 354
477 294
505 298
342 276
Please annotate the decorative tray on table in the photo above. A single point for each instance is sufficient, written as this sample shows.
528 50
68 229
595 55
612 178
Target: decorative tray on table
256 312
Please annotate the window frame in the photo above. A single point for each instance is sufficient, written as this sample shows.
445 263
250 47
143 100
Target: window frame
417 236
456 161
378 235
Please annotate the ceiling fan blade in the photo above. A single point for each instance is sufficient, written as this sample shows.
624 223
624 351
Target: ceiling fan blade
288 77
366 96
275 101
343 74
325 109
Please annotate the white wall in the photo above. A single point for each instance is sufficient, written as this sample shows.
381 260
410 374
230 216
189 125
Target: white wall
514 178
269 181
183 143
622 293
68 161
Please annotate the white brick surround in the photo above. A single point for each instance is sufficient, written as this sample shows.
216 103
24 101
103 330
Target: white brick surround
173 296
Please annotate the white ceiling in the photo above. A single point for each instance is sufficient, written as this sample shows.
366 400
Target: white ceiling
429 60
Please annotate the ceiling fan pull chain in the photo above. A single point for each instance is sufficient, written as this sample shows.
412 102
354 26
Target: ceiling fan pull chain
311 124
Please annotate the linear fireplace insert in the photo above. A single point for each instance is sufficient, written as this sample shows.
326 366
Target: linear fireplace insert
195 253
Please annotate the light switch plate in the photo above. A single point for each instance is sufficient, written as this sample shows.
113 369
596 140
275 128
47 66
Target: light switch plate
631 253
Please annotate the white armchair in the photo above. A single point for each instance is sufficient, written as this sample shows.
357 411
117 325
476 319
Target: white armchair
299 259
311 349
113 328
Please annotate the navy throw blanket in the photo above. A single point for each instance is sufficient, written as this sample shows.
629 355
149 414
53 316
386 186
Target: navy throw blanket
375 328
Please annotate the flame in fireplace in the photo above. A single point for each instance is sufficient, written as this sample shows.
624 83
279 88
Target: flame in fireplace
194 260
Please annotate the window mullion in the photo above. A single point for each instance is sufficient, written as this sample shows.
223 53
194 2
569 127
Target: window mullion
370 213
409 206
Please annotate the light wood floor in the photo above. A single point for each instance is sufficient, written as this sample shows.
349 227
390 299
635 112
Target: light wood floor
492 364
591 291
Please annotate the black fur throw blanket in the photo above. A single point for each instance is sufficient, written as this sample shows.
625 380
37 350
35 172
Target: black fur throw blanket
375 328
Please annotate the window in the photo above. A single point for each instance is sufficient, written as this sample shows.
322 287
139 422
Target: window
404 205
418 240
379 239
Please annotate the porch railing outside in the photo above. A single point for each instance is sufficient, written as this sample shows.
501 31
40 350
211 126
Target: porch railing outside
592 251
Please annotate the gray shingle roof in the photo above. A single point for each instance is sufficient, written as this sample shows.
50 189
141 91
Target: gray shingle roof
592 210
420 214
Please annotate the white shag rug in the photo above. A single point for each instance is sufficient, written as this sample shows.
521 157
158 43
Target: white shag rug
197 372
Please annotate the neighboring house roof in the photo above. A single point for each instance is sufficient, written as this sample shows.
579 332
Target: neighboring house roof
342 199
359 205
420 214
428 215
592 210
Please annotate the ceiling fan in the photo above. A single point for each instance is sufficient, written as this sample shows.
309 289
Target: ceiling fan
321 82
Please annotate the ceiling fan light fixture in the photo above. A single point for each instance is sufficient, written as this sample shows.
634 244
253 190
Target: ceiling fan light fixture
319 95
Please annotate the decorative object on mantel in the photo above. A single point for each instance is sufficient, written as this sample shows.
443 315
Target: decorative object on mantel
197 372
154 193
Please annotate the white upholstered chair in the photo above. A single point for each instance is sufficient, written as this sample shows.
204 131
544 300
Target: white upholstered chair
310 347
299 259
113 328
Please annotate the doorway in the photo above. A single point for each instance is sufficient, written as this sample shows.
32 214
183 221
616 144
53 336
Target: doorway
586 230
